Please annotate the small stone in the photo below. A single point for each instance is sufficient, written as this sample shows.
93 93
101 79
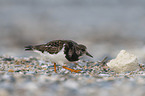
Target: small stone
44 68
8 59
17 70
124 62
110 78
10 70
29 66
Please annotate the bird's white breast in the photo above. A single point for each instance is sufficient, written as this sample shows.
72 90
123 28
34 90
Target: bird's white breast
58 58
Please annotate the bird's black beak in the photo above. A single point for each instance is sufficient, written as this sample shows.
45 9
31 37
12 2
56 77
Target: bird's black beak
88 54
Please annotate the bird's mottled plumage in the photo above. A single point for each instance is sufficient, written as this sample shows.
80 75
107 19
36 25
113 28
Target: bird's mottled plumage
72 51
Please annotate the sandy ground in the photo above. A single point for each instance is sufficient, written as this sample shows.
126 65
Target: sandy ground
24 76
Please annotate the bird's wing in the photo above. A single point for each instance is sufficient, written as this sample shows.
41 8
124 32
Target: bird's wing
52 47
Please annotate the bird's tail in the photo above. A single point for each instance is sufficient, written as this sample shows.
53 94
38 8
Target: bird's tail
29 47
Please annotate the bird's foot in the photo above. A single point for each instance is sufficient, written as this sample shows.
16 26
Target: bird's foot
72 70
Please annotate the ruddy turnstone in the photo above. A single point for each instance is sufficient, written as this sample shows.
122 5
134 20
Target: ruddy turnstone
60 52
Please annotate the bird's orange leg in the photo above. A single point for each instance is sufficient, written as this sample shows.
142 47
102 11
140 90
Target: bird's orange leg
55 68
72 70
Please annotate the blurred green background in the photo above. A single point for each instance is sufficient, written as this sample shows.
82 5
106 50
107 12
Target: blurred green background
104 26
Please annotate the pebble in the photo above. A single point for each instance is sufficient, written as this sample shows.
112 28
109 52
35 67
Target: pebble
124 62
10 70
35 81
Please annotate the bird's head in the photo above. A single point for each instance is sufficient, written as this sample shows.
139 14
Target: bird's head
83 50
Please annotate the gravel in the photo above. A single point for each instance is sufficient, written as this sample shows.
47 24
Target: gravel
25 77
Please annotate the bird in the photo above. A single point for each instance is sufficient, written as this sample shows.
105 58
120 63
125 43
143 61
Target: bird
60 52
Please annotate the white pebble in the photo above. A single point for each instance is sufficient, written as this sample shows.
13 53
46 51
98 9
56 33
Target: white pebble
124 62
